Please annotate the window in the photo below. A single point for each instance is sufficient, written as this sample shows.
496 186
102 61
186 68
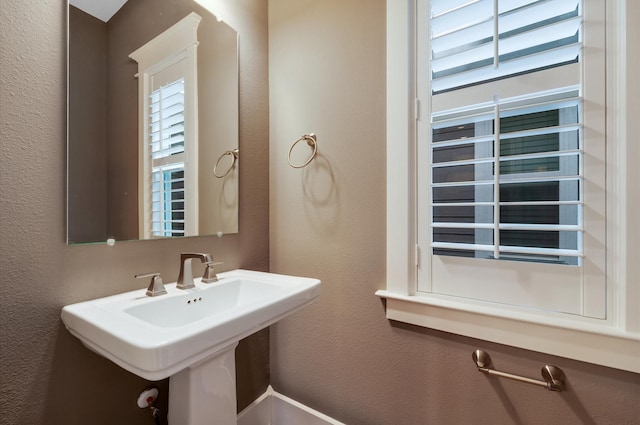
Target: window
501 113
501 154
168 139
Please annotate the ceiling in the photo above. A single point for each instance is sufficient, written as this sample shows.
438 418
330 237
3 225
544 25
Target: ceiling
101 9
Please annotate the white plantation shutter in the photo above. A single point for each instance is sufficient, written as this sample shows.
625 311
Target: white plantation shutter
501 155
506 173
166 148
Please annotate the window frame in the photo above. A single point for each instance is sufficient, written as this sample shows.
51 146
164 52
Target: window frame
614 341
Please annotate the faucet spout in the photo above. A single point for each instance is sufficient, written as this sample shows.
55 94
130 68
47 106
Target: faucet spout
185 278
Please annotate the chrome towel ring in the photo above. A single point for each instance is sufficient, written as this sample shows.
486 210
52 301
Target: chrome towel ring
312 141
234 157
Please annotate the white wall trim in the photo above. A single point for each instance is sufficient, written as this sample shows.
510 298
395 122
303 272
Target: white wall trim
400 238
273 408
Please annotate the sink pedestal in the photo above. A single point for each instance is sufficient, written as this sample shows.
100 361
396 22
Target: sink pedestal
205 393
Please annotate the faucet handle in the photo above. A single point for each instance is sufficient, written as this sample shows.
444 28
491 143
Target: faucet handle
156 287
209 275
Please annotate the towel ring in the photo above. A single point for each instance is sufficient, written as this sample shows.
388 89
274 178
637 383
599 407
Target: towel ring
312 141
234 157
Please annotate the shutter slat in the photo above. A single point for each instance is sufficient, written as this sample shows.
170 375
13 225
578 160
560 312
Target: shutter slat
522 14
463 141
490 204
168 152
167 142
543 155
510 181
556 32
508 226
509 249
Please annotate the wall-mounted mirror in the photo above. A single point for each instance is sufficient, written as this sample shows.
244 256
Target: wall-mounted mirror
146 130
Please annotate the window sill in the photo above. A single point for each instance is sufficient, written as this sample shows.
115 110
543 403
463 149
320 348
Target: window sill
580 339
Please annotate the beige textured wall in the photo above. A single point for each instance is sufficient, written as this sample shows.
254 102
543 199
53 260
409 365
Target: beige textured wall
340 355
46 375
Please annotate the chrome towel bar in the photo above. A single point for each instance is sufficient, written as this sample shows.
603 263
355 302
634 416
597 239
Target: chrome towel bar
553 376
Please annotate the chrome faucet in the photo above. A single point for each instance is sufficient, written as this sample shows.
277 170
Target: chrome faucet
185 278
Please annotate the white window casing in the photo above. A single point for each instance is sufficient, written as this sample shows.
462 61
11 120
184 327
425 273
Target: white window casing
597 320
167 58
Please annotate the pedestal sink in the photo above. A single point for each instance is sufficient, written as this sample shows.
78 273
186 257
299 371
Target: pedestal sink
189 335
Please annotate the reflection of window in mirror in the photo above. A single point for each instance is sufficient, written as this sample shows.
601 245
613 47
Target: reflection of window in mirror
168 136
166 144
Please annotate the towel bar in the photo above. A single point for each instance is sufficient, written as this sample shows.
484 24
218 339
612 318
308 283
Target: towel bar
553 376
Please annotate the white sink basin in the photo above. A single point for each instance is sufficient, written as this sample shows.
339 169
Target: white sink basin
156 337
